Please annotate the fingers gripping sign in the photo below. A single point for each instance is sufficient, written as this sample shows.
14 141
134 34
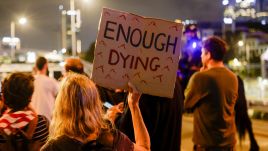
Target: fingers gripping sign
133 95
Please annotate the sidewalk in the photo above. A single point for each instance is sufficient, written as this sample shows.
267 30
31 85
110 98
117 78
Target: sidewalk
260 127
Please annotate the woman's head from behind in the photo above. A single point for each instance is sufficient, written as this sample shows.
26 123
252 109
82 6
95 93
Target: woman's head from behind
17 90
78 109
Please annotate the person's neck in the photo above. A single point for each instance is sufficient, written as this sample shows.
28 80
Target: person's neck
214 64
42 72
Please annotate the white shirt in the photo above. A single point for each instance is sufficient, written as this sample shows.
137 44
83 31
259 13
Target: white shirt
45 91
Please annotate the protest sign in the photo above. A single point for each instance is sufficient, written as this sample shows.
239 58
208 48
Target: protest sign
144 51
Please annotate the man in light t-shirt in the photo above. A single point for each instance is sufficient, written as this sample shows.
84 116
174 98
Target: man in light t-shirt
45 89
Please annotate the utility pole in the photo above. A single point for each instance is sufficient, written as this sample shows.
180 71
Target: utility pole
73 30
12 41
63 30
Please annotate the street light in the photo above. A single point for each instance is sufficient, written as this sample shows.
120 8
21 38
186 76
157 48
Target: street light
21 21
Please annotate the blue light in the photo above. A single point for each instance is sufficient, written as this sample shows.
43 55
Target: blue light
263 22
194 45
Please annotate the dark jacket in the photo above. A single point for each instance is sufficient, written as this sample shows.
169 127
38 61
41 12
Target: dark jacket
162 117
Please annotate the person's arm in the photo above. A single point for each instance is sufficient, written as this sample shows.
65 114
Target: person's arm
140 131
194 91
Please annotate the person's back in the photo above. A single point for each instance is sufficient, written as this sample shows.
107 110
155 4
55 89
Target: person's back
20 127
45 89
107 141
163 119
20 142
211 94
214 123
78 119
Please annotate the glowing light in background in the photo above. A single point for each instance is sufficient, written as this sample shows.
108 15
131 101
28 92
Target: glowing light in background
10 41
240 43
31 57
228 20
22 20
194 45
263 22
225 2
63 50
62 64
69 12
236 62
60 7
88 1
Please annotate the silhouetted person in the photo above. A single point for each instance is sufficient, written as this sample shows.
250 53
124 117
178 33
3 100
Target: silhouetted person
190 59
162 117
242 119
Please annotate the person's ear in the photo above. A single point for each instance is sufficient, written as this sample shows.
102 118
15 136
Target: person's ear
208 55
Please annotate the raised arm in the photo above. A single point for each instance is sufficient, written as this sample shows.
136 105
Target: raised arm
141 134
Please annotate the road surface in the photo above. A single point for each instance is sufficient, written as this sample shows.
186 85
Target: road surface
261 135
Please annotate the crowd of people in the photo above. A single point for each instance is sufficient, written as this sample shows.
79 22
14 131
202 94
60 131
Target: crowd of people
40 113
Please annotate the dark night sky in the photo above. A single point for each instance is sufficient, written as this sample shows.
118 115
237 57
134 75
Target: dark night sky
43 29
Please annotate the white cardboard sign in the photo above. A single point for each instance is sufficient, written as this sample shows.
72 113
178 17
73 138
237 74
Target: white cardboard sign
133 48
